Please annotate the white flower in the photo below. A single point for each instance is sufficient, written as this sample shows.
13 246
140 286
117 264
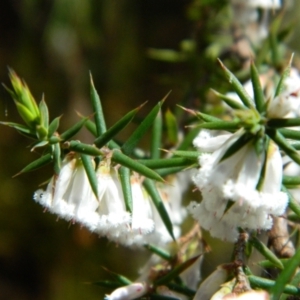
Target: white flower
128 292
230 198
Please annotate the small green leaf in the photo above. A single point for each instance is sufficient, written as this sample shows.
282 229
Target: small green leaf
172 128
99 116
44 113
291 180
279 139
132 141
126 187
53 126
267 284
166 55
82 148
160 252
91 127
126 161
237 86
266 252
193 155
38 163
20 128
281 84
176 271
116 128
39 145
277 123
285 277
74 129
165 163
221 125
157 201
26 115
90 172
118 277
168 171
259 97
56 158
290 133
156 136
229 101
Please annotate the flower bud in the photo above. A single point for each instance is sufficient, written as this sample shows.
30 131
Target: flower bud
128 292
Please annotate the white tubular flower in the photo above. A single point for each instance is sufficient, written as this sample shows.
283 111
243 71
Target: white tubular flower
114 219
211 284
70 195
128 292
230 198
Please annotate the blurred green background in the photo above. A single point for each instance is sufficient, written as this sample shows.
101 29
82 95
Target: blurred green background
53 44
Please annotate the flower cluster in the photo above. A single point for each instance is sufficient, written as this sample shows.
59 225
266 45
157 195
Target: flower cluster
70 196
229 186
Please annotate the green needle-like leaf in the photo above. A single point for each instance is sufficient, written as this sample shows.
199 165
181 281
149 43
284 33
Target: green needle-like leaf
90 172
126 161
165 163
44 113
56 151
91 127
26 115
160 252
156 136
290 133
126 187
73 130
286 73
193 155
83 148
279 139
237 86
291 180
118 277
168 171
53 126
99 116
176 271
38 163
132 141
172 128
20 128
229 101
266 252
277 123
221 125
259 97
267 284
116 128
154 194
285 277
